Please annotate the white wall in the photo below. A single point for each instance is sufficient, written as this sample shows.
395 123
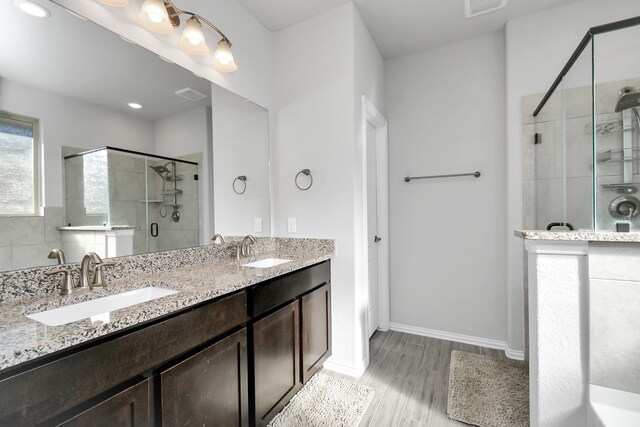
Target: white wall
252 42
369 73
537 47
69 122
446 115
190 133
315 119
314 128
240 148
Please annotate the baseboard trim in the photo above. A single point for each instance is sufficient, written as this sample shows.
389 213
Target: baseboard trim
346 368
465 339
514 354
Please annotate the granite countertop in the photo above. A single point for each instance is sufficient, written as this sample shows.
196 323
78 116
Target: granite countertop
584 235
23 339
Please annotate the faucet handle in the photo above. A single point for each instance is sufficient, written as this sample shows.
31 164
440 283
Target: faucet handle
67 281
218 237
98 280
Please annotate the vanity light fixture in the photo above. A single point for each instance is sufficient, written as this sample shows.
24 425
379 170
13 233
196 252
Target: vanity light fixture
32 8
134 105
163 16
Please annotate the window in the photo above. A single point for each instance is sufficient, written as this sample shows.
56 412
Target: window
95 175
19 171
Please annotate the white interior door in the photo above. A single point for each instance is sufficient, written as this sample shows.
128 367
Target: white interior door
372 220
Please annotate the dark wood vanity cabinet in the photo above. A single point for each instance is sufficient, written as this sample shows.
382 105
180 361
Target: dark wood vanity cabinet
129 408
234 361
209 388
315 326
290 342
276 349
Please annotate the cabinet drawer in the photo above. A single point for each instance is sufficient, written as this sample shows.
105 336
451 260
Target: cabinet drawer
129 408
271 294
47 390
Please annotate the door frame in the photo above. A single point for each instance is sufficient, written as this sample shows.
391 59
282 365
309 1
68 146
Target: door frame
370 114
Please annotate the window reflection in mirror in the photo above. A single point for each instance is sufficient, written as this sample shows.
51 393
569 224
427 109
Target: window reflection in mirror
19 166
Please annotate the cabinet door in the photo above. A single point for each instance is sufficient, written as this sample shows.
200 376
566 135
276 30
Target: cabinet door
210 388
315 309
276 342
128 408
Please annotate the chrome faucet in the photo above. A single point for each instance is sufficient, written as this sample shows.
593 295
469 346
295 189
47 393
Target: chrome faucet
57 254
246 242
218 237
83 280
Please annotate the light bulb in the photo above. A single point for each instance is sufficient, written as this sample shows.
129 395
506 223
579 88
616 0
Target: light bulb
223 58
192 40
154 17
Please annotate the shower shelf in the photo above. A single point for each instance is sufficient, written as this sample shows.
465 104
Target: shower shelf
150 201
171 192
618 156
622 186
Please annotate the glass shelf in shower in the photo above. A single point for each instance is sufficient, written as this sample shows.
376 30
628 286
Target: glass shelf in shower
618 155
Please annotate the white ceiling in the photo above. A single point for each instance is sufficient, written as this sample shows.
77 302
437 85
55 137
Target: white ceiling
77 58
401 27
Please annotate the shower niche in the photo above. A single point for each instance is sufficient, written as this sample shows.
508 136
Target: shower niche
581 152
116 192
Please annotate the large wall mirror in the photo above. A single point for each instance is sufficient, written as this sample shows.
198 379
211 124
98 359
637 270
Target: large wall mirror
84 168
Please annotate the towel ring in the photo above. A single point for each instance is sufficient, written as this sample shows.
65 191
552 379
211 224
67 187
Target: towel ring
306 172
243 179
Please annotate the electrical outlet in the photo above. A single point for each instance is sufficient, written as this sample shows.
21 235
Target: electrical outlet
257 225
291 225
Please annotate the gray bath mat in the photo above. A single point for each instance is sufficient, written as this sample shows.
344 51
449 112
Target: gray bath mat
325 401
488 392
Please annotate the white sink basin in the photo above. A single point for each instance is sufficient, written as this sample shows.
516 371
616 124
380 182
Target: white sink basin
266 263
98 309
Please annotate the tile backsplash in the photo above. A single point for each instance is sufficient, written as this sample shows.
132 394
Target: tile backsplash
23 240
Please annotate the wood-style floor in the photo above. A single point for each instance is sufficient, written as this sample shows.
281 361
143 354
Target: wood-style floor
410 375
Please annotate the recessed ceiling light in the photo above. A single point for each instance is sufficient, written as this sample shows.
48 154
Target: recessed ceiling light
33 9
134 105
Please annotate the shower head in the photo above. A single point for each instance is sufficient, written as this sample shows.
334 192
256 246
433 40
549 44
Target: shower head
160 170
629 98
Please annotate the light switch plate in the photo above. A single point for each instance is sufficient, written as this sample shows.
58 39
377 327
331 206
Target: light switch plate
257 225
291 225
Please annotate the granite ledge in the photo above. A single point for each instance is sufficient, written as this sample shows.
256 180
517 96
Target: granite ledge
583 236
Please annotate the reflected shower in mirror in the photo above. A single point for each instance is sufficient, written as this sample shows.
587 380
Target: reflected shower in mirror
69 86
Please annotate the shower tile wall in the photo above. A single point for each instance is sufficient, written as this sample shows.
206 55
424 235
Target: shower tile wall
127 192
543 164
26 241
614 338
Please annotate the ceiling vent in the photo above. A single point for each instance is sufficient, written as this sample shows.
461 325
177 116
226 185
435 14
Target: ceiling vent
190 94
473 8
